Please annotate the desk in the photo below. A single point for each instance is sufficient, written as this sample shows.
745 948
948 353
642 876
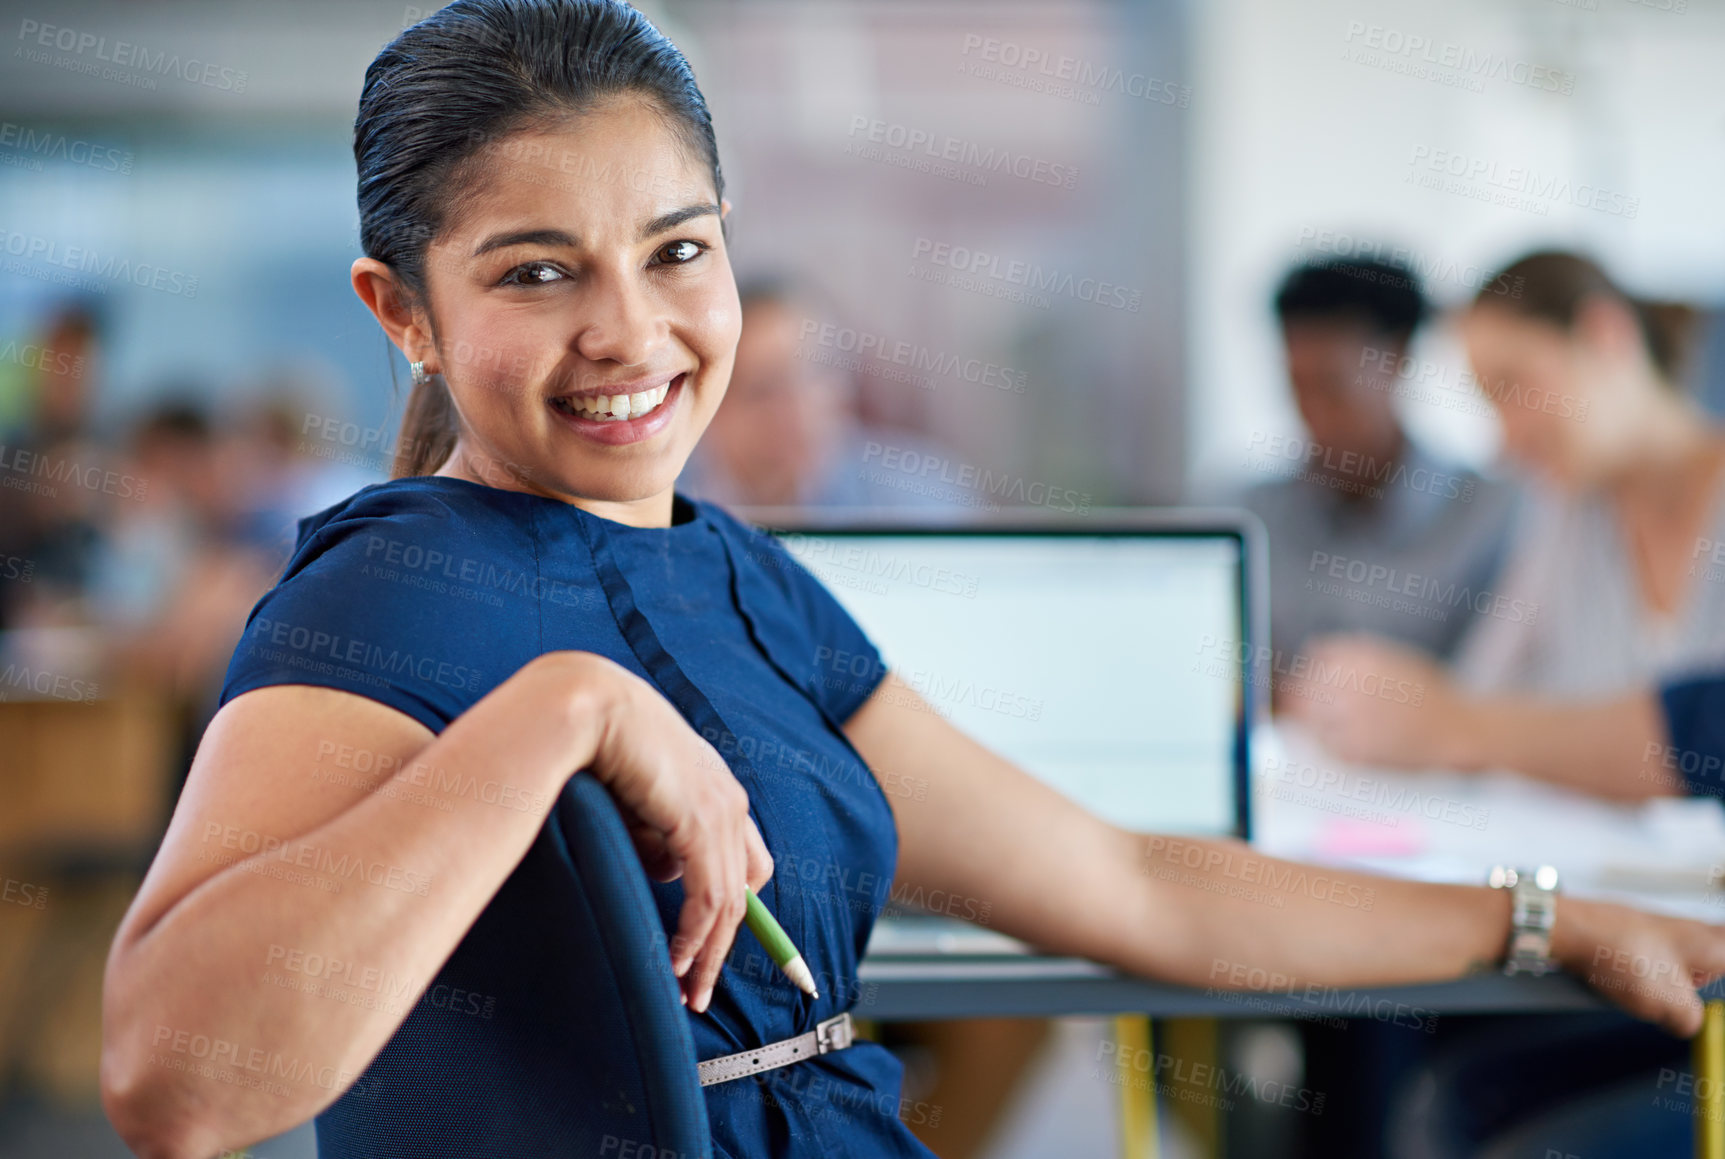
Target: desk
928 987
1428 826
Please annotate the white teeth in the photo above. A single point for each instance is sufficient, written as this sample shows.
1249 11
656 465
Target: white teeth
611 407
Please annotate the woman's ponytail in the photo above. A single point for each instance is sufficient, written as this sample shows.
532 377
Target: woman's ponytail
428 430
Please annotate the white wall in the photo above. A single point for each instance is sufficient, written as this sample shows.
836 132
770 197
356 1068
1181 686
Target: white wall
1292 137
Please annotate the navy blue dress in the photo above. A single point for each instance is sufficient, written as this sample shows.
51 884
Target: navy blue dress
425 593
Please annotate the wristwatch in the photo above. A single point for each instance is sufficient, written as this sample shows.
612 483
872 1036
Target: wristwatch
1533 898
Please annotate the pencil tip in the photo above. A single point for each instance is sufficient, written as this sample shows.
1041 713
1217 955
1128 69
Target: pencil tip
798 972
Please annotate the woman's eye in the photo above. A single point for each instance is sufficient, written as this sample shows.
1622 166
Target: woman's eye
533 274
678 252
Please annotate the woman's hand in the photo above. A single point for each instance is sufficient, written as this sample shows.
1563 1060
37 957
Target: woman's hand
1649 964
1369 700
688 814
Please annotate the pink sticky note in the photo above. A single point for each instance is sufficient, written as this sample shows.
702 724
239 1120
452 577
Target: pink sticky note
1352 837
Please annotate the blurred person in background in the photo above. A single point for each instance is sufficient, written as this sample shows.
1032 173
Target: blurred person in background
49 514
1627 479
1577 675
1360 493
788 434
177 571
284 477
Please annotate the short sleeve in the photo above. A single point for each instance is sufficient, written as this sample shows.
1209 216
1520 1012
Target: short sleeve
398 596
1695 732
804 627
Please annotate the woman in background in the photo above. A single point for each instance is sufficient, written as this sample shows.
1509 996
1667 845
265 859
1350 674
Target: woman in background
1602 597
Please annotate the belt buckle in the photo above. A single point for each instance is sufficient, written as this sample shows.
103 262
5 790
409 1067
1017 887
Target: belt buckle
833 1034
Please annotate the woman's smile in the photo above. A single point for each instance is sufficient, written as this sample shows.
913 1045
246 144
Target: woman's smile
625 412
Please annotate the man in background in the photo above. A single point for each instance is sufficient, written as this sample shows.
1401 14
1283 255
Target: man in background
1368 530
788 433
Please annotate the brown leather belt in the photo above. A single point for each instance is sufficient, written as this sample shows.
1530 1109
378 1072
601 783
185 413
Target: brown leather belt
833 1034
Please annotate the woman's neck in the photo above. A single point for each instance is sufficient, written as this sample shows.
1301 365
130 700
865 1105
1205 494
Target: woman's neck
477 467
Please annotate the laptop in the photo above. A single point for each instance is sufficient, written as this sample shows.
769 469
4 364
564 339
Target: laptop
1115 656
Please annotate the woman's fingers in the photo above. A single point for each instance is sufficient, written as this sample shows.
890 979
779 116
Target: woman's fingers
760 863
690 818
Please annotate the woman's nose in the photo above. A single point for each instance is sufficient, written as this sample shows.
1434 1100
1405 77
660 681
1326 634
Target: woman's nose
624 325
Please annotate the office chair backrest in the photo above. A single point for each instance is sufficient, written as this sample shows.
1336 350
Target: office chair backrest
553 1029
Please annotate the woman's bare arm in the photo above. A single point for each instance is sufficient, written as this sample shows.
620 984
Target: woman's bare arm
1207 912
285 858
1611 748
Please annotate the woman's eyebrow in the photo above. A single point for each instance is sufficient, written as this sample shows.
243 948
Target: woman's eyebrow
677 217
526 237
558 237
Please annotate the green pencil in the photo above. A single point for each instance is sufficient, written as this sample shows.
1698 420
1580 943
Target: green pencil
770 934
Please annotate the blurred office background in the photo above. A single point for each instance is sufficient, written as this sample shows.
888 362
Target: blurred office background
175 316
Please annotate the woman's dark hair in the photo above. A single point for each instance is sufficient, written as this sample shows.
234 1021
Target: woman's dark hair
1552 286
469 76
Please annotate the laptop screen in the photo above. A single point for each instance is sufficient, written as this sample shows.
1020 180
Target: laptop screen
1089 660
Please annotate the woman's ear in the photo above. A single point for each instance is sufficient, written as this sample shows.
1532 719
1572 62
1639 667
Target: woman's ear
377 287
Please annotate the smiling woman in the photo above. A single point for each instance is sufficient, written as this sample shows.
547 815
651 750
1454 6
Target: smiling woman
541 211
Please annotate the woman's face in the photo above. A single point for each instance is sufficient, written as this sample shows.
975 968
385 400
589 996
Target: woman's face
1563 404
584 311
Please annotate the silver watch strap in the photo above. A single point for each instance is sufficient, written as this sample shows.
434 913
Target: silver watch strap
833 1034
1533 903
